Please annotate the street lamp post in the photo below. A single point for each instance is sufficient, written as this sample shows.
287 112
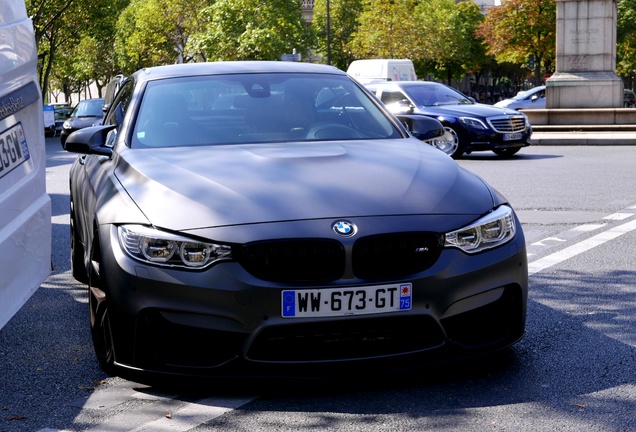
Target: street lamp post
328 34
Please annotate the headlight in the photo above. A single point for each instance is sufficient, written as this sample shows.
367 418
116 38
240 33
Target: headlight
494 229
473 122
67 125
158 247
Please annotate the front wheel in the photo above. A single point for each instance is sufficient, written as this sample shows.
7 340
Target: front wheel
78 268
101 330
506 152
449 143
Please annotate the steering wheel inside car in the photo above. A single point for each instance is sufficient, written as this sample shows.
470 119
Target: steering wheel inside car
332 131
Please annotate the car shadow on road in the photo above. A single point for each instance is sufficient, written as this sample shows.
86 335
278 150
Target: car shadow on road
575 367
578 359
516 157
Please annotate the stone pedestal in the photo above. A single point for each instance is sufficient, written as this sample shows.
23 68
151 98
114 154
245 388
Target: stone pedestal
585 74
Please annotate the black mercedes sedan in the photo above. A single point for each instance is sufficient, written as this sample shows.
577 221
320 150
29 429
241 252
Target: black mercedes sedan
256 218
470 126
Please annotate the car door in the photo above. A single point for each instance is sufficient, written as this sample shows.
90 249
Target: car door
93 173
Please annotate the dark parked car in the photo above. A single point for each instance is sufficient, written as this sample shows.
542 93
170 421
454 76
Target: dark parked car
62 113
629 98
471 126
294 227
86 113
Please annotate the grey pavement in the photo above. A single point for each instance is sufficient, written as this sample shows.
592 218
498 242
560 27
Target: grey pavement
584 138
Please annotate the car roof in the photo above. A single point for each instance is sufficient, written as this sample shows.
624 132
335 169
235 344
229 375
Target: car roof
536 89
405 84
232 67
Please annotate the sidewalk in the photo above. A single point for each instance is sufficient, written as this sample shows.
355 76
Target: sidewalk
584 138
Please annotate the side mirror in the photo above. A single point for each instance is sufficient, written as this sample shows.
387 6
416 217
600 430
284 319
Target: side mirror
422 127
90 140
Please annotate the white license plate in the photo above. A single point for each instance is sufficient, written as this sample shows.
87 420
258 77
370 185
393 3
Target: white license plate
512 136
346 301
13 149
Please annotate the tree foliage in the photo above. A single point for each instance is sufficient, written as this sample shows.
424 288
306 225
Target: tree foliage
438 35
83 41
253 30
626 38
520 28
343 24
388 29
449 31
74 40
157 32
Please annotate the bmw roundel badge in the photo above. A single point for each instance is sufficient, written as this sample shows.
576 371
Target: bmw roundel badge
344 228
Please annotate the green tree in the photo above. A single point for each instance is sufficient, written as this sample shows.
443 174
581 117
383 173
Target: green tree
452 48
437 35
75 41
388 29
626 38
343 23
92 58
157 32
253 30
519 29
50 24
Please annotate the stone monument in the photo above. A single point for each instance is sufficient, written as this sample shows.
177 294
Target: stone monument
585 75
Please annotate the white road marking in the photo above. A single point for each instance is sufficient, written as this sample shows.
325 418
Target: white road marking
548 239
193 414
578 248
619 216
587 227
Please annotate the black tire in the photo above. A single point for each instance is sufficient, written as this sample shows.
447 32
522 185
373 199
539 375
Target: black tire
78 267
100 317
506 152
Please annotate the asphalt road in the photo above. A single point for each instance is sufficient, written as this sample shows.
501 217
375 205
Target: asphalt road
574 371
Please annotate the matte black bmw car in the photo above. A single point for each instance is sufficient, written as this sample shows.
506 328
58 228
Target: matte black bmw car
471 126
263 217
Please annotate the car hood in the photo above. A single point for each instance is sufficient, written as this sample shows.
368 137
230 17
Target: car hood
479 110
214 186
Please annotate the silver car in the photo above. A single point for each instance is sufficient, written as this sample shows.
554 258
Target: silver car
273 218
524 100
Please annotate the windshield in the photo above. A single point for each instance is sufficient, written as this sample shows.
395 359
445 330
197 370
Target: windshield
523 95
257 108
89 108
435 95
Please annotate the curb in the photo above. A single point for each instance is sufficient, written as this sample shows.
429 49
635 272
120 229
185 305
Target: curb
584 138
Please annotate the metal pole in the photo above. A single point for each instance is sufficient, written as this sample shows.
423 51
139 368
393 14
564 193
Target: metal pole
328 34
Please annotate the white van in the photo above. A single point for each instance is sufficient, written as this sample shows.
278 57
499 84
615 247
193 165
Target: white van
25 207
368 71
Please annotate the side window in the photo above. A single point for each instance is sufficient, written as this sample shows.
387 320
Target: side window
392 96
120 105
